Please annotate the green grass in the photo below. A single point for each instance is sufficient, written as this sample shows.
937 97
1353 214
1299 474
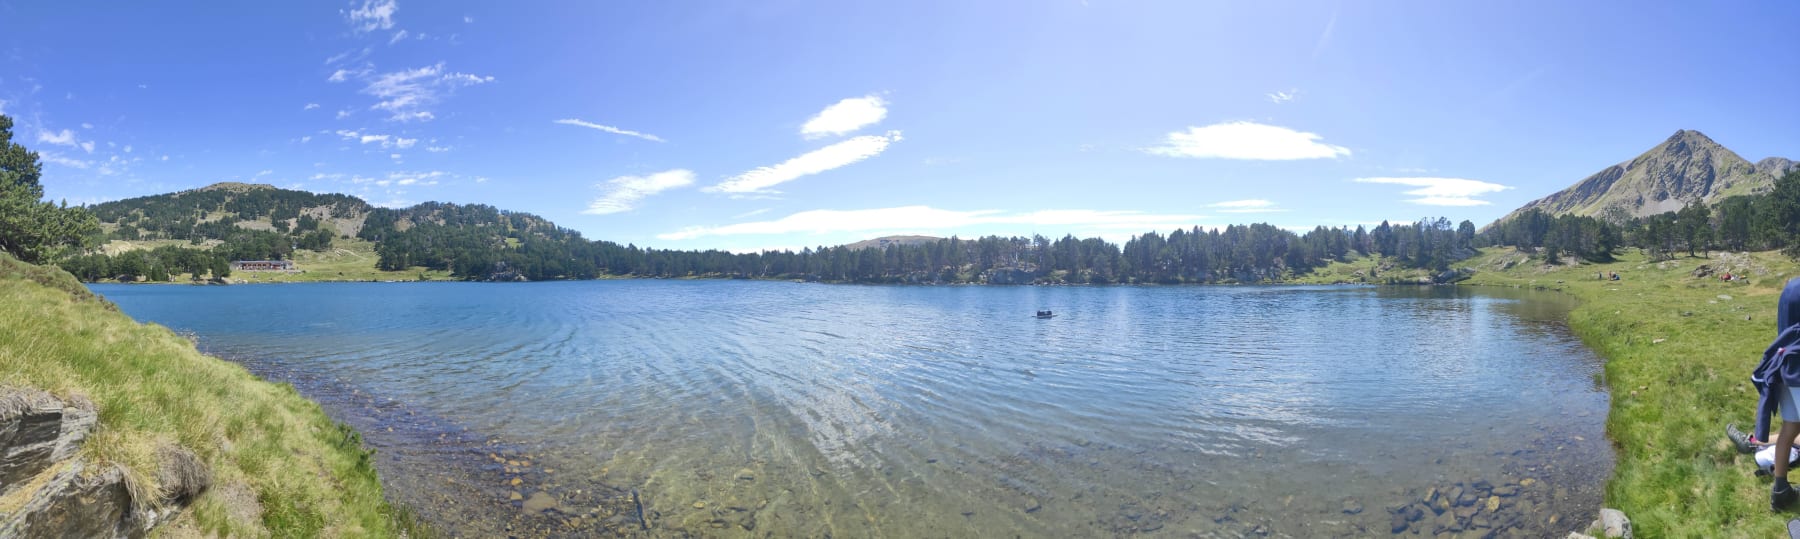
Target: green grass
1679 358
347 260
1359 269
280 467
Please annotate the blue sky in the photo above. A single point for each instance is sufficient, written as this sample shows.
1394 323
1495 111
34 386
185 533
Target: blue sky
746 125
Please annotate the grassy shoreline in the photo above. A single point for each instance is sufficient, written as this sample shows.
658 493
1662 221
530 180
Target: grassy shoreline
279 466
1679 349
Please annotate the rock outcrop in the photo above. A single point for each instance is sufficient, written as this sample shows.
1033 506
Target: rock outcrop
47 490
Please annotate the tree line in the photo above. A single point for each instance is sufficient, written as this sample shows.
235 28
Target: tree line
480 242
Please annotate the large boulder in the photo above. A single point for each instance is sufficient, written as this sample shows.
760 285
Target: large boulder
47 490
36 431
76 503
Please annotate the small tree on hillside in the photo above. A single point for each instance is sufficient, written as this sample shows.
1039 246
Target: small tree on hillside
32 230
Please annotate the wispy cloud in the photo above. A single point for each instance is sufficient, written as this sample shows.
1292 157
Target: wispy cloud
407 94
823 159
845 116
610 129
624 192
385 141
1254 205
929 219
1443 191
1325 36
56 159
310 106
415 178
397 37
1246 140
1283 97
372 15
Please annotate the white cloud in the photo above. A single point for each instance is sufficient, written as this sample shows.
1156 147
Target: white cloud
306 139
1443 191
407 93
437 149
310 106
127 148
1254 205
64 161
813 162
610 129
624 192
62 138
165 158
343 114
385 141
1247 140
85 125
926 218
468 20
1283 97
413 178
846 116
2 106
87 146
397 37
340 75
481 179
373 15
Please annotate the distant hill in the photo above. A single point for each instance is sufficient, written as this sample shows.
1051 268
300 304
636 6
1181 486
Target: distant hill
1687 167
884 241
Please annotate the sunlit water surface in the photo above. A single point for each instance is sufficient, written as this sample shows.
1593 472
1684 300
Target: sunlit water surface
786 409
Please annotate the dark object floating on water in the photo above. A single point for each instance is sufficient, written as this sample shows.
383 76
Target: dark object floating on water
1046 314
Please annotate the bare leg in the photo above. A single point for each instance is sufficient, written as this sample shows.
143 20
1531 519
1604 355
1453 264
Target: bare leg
1781 494
1783 443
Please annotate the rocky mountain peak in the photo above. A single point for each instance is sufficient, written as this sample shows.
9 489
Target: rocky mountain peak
1686 167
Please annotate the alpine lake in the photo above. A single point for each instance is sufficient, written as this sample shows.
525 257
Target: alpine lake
750 408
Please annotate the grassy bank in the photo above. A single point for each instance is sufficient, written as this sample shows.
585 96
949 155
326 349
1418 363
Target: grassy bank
1679 351
280 467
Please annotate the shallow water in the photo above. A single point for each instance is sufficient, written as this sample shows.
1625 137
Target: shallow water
759 408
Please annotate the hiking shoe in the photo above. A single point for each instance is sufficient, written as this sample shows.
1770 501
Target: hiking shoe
1781 498
1744 442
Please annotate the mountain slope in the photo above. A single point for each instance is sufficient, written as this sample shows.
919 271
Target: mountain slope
1687 167
884 241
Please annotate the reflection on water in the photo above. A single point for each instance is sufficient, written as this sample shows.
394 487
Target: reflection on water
755 408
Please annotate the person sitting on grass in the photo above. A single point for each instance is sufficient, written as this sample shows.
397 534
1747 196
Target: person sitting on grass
1777 379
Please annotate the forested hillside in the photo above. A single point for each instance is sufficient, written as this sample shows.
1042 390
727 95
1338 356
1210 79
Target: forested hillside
479 242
